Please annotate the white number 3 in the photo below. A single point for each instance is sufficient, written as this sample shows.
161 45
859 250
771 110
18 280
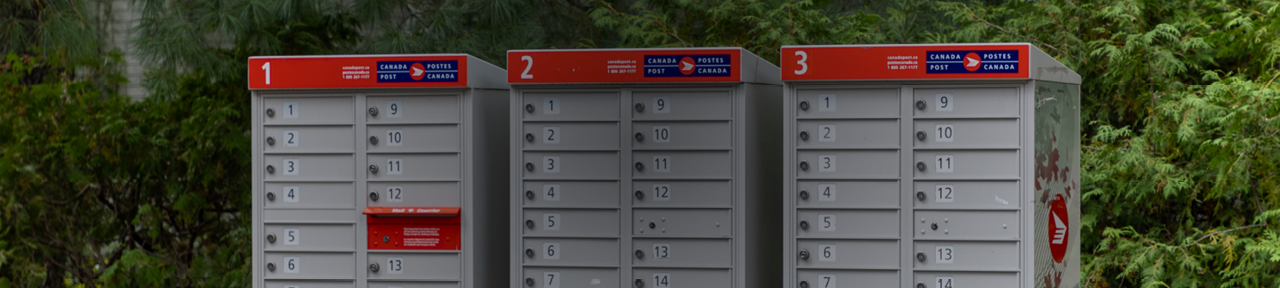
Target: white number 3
803 66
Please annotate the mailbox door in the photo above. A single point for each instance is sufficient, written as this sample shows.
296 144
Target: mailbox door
966 133
303 195
936 279
682 222
681 164
985 225
570 252
413 194
672 105
847 254
570 194
413 138
303 139
847 103
570 135
413 109
309 265
661 193
439 284
415 266
309 237
307 110
308 284
575 106
967 194
966 164
846 164
847 194
681 135
674 252
309 167
570 165
816 278
444 166
967 102
575 222
866 133
967 255
667 278
565 277
862 223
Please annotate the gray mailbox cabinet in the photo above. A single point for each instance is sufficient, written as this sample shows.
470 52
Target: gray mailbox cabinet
647 168
930 166
378 171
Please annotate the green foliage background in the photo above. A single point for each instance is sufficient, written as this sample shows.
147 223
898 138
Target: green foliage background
1180 102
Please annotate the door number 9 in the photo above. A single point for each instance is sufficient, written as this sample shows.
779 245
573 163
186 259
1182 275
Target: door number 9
393 109
944 102
661 105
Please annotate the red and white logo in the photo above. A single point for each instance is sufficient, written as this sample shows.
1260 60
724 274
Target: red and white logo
972 61
686 65
416 71
1059 233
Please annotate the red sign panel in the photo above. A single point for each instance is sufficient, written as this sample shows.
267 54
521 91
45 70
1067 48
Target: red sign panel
905 62
1059 228
357 72
414 228
624 66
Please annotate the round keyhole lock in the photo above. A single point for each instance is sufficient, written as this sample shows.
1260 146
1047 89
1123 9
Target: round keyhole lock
639 137
373 168
639 283
639 166
804 105
373 140
804 284
528 166
386 239
804 254
271 196
920 256
529 282
639 107
653 225
271 112
528 223
804 195
528 108
920 166
639 254
271 238
804 135
528 137
373 267
528 194
271 140
528 252
639 194
933 226
804 224
373 111
271 169
373 196
920 195
920 104
271 266
804 165
921 285
920 135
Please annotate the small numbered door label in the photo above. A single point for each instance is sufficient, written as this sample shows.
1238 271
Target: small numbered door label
827 281
551 222
944 282
395 193
662 163
291 166
551 251
944 163
661 192
826 102
292 265
394 109
551 192
395 137
827 252
945 102
661 105
945 193
944 254
290 138
292 236
551 105
662 134
395 265
550 279
944 133
826 163
827 222
395 166
296 286
662 280
551 164
827 192
826 133
292 194
551 135
662 251
290 109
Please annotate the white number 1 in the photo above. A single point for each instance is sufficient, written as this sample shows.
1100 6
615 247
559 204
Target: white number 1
803 66
267 67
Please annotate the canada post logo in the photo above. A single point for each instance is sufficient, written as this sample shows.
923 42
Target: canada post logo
989 61
687 65
417 71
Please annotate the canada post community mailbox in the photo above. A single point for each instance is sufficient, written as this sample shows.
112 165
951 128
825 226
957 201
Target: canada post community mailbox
379 171
931 166
646 168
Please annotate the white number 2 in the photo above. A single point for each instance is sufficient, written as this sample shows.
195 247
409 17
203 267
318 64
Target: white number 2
804 67
526 75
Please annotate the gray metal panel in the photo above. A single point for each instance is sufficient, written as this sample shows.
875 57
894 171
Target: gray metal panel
415 266
847 194
309 167
414 167
847 223
967 102
968 194
967 279
966 164
309 265
847 254
568 277
577 222
402 194
309 237
382 284
302 139
571 252
877 133
659 193
681 164
713 105
846 103
657 252
667 278
986 225
571 136
848 278
309 284
570 106
681 135
847 164
412 109
682 222
967 133
968 255
318 110
570 165
309 195
552 194
413 138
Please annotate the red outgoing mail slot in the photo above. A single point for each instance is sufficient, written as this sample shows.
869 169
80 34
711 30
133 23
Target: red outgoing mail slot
414 228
